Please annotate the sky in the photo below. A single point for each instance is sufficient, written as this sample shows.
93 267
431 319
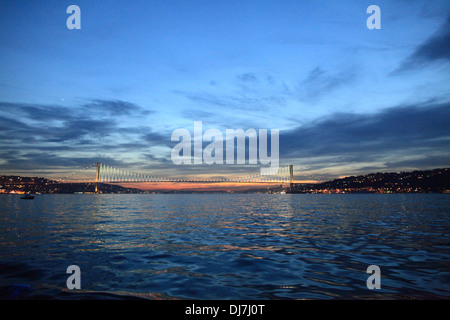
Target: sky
346 100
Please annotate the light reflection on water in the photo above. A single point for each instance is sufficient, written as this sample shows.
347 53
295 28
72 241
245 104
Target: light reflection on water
228 246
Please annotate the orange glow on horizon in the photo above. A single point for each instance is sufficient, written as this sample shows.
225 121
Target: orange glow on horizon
204 186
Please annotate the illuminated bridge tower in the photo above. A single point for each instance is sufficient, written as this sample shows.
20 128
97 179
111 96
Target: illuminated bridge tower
291 176
97 176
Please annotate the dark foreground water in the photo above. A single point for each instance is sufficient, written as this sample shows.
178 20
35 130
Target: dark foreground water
225 246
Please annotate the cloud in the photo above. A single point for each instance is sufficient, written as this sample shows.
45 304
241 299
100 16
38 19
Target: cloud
36 136
252 102
433 50
44 130
52 123
248 77
319 83
79 128
426 161
403 136
88 109
157 139
114 107
420 129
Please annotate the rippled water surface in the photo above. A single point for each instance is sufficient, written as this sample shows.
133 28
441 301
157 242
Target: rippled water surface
226 246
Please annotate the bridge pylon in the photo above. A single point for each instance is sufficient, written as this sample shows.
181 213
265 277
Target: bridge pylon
291 176
97 177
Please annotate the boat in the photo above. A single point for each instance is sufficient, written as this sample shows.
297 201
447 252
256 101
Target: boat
27 197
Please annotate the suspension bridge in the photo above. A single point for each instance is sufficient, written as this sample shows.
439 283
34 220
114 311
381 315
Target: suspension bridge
110 175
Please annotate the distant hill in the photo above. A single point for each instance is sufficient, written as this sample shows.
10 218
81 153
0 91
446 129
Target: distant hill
437 180
18 184
90 188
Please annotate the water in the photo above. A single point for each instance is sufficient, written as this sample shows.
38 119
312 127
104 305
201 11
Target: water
226 246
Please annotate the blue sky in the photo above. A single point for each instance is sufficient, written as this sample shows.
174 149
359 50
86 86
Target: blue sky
346 99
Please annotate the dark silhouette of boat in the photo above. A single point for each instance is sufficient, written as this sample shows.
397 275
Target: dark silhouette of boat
27 197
